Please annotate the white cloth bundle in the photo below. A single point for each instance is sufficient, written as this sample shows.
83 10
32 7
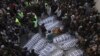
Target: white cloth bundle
48 49
74 52
43 55
57 52
33 41
40 45
53 25
50 23
61 38
66 45
50 19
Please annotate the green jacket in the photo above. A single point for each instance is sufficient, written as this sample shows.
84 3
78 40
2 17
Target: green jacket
35 21
17 21
27 4
21 14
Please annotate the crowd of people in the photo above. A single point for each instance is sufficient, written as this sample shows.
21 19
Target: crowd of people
83 21
16 20
19 17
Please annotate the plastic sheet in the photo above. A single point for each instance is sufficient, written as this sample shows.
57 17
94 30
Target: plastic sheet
50 23
61 38
48 49
57 52
74 52
40 45
47 20
66 45
53 25
33 41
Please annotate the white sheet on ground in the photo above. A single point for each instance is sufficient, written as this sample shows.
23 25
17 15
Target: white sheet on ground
48 49
47 20
40 45
66 45
74 52
57 52
50 23
61 38
33 41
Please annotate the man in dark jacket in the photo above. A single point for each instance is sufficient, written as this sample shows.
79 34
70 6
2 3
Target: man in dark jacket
43 29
